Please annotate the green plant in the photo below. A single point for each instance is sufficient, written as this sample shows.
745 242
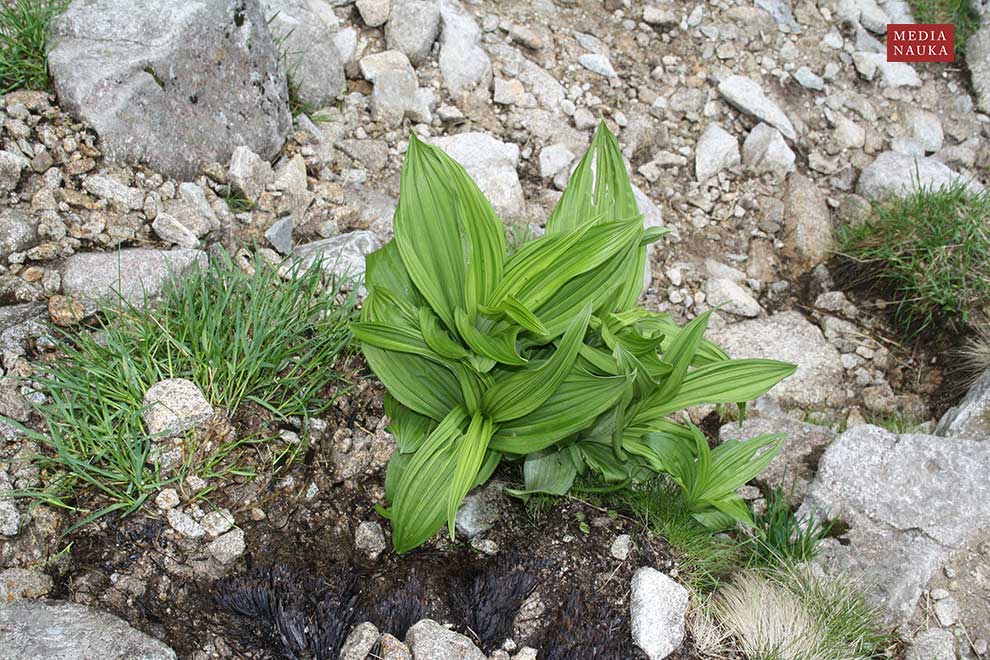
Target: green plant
542 355
782 538
236 201
927 252
240 337
703 559
23 43
851 627
896 422
961 13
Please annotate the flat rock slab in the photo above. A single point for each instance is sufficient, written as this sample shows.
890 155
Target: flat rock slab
174 84
55 630
787 336
908 500
132 274
794 467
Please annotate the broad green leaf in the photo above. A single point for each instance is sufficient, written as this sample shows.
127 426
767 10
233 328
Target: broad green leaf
416 382
393 338
409 428
450 241
579 400
471 451
525 390
438 339
680 355
599 189
430 470
603 460
519 313
499 346
549 471
720 382
384 268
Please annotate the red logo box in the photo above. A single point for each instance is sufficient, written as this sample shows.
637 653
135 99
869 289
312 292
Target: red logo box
926 42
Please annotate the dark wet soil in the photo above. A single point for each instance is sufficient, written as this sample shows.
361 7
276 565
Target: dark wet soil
166 586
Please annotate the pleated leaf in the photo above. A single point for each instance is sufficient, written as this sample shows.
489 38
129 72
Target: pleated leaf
471 451
447 234
525 390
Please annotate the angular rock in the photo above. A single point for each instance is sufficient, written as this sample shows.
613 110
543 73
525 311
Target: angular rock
412 28
279 235
305 36
16 583
18 232
933 644
794 467
172 231
807 238
492 164
192 210
249 173
145 75
789 337
717 150
892 74
897 175
34 629
173 406
341 255
731 297
428 639
748 96
554 159
926 128
184 524
395 85
657 607
114 192
900 496
11 166
131 273
809 79
369 539
464 64
971 418
978 63
217 522
598 63
765 150
374 12
360 642
228 547
481 510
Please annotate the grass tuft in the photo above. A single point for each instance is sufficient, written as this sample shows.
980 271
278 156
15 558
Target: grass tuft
928 254
781 537
24 43
703 558
960 13
242 338
975 354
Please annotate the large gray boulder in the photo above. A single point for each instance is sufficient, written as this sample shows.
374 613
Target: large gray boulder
788 336
175 84
304 35
37 629
908 501
342 255
132 274
893 174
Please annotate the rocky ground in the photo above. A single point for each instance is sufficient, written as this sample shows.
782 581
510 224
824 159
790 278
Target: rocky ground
752 129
